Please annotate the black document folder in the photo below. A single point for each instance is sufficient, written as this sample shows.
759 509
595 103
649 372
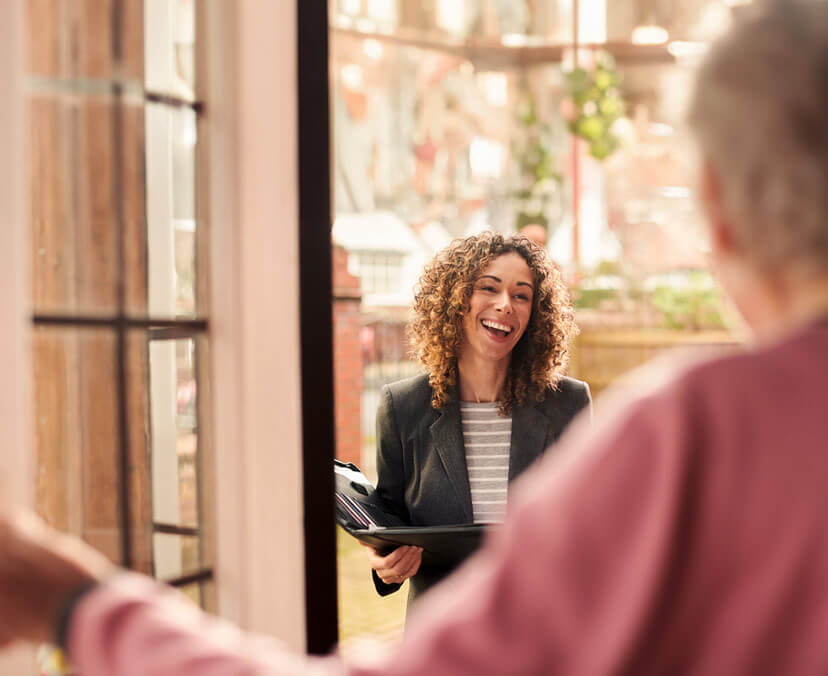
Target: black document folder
367 517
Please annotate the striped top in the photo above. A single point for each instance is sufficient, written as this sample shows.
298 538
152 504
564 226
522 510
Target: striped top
487 439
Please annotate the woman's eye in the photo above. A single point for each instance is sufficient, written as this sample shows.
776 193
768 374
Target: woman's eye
521 296
488 287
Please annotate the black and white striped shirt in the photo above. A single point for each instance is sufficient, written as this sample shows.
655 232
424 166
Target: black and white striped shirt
487 440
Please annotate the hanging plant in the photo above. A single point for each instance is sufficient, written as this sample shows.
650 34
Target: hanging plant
594 104
539 180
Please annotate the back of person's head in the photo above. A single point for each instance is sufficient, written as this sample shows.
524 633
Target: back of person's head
760 112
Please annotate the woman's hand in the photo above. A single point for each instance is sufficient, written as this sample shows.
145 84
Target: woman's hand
398 566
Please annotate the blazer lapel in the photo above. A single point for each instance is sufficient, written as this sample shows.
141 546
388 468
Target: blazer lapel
529 428
447 435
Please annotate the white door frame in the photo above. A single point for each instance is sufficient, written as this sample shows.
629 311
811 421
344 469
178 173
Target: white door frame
250 117
16 477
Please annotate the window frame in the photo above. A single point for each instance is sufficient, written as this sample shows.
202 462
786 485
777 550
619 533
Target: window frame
15 409
249 169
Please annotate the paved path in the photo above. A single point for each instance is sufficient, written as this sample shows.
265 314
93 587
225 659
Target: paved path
366 620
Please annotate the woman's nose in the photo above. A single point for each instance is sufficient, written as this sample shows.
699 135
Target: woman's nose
504 303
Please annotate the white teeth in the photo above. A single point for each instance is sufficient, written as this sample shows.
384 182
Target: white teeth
497 325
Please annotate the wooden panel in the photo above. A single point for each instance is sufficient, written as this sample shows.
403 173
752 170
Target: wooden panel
73 38
76 432
44 19
71 192
137 372
57 444
132 39
77 438
51 210
133 212
97 395
96 259
91 38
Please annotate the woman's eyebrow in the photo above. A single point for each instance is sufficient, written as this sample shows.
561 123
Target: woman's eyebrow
498 280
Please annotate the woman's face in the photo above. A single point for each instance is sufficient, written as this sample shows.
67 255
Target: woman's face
499 309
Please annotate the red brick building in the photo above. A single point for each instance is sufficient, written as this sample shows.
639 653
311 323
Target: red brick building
348 365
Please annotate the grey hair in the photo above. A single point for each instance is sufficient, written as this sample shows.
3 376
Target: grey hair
760 114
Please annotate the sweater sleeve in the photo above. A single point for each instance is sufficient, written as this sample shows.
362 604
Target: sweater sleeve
132 626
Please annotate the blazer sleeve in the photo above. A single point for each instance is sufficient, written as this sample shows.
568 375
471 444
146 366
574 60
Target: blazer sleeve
390 470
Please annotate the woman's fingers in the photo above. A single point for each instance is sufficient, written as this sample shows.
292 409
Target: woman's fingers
378 561
417 559
391 570
394 558
398 566
402 567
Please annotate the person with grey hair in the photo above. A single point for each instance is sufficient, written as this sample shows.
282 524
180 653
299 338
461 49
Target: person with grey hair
684 534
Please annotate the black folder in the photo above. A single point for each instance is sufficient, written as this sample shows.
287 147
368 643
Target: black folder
366 516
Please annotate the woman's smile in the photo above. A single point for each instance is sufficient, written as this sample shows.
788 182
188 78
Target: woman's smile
497 330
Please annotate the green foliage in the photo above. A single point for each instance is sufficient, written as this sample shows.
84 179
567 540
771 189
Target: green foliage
696 305
598 103
689 301
537 166
592 299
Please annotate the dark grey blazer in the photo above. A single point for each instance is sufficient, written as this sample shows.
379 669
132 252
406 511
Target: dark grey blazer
421 461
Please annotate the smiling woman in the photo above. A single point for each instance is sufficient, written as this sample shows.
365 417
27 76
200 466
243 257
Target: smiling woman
492 325
458 281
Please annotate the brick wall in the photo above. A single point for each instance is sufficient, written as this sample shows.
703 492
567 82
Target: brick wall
348 376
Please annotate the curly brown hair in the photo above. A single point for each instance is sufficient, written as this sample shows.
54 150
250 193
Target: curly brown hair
441 300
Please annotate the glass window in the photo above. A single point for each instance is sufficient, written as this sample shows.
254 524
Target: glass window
118 345
379 273
169 47
77 435
171 209
174 431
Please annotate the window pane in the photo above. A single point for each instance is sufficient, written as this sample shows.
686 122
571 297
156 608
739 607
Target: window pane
169 54
74 246
192 592
202 594
208 596
86 158
171 222
176 555
77 439
174 432
74 39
